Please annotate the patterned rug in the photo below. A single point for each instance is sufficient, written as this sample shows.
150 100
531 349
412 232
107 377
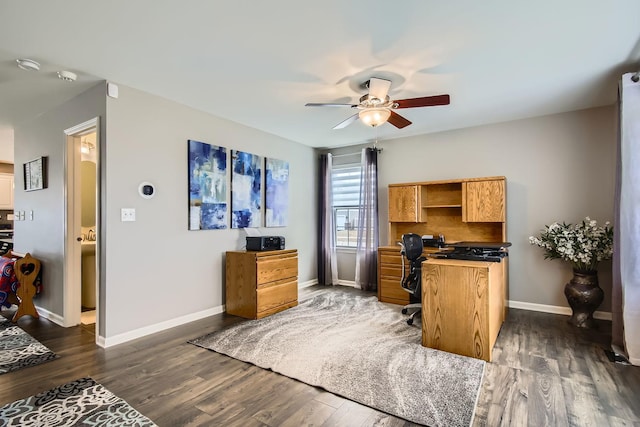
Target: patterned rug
18 349
363 350
78 403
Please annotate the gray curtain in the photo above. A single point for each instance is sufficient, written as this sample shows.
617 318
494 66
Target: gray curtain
327 258
367 238
626 260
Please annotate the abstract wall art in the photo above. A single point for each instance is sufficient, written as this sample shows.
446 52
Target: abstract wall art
246 192
276 193
207 186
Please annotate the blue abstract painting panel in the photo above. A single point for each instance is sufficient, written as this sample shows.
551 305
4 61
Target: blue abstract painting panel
207 186
246 192
277 193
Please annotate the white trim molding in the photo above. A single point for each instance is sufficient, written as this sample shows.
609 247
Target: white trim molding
158 327
308 283
55 318
554 309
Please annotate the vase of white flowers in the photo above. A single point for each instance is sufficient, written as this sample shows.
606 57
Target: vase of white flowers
584 245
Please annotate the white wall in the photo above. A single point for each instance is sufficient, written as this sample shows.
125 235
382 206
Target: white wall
157 270
558 168
44 236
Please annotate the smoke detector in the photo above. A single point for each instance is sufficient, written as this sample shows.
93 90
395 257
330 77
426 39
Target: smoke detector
67 76
28 64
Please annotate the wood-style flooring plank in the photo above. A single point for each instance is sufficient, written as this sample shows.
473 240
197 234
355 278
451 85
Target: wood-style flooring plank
544 372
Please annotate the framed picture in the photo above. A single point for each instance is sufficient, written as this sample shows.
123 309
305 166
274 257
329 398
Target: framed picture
35 174
277 192
246 193
207 186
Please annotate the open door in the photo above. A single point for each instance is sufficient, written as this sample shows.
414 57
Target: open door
82 221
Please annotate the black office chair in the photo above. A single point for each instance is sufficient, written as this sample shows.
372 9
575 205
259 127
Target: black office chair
411 282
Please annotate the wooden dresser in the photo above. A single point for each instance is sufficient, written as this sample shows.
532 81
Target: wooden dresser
259 284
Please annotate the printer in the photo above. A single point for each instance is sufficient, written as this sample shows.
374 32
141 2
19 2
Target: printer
265 243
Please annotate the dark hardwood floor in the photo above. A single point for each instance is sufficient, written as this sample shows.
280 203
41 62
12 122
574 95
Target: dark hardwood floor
544 373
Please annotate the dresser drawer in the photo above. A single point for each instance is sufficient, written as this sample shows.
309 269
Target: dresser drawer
277 297
270 269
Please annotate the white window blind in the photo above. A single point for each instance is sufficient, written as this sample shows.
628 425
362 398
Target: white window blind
345 182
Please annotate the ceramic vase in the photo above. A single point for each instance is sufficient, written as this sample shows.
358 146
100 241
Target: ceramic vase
584 295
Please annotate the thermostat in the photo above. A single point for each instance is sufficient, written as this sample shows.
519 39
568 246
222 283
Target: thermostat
147 190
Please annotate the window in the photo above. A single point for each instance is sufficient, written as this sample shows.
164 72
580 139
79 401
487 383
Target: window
345 183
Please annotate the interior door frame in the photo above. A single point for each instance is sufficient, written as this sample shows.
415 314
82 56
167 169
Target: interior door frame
72 277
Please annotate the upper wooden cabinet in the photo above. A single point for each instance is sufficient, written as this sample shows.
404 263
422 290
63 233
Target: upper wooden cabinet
404 201
484 201
467 209
6 191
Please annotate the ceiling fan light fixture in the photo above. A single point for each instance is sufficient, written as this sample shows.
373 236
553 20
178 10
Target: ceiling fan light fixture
28 64
374 116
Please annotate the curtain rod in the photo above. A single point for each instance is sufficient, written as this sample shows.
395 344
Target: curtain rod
379 150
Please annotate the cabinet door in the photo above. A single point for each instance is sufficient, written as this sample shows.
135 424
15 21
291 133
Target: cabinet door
6 191
403 203
484 201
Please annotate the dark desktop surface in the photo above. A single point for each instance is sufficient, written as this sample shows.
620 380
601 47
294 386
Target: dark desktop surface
481 245
474 251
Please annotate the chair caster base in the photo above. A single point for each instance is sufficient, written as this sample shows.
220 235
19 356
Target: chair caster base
410 321
405 311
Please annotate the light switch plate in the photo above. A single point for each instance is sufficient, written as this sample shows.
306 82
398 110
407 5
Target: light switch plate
127 214
30 215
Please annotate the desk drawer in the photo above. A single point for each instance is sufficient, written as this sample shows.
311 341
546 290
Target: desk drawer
390 289
390 258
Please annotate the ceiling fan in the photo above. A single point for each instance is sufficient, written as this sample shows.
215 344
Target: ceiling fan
376 108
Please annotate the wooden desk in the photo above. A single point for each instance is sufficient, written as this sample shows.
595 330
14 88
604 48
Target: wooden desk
463 305
259 284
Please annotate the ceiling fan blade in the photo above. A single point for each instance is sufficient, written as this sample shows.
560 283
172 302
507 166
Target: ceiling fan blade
379 88
397 120
425 101
314 104
345 123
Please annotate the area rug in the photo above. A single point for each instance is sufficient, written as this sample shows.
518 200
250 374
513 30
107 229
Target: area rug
363 350
18 349
78 403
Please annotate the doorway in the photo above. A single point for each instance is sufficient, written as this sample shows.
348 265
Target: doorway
82 219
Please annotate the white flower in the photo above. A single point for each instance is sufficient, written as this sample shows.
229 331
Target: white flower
583 244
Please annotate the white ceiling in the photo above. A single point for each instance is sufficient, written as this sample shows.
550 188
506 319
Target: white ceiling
258 62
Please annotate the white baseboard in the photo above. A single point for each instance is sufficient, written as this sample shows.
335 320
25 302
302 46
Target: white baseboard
302 285
348 283
554 309
55 318
307 284
158 327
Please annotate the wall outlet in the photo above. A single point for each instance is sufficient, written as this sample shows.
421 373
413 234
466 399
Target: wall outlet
127 214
